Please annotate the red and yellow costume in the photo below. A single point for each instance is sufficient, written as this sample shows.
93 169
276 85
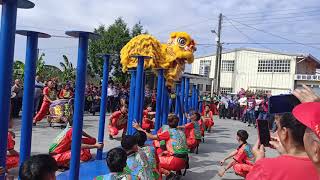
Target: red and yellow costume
193 134
65 94
45 104
12 159
208 119
244 160
147 123
118 121
60 149
175 157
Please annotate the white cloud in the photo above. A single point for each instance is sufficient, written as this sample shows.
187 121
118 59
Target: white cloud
162 17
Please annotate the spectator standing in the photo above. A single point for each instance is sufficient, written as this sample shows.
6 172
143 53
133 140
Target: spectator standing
110 97
17 100
37 94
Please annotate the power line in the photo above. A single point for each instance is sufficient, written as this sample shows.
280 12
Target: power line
266 22
43 28
248 37
186 25
275 35
307 13
239 14
273 43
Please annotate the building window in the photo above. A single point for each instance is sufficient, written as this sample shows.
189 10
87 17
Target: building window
200 87
227 66
208 87
205 67
224 90
281 66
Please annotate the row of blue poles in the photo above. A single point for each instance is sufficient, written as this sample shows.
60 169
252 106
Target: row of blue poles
183 102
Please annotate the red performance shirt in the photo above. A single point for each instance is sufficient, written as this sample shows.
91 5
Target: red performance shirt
11 142
284 167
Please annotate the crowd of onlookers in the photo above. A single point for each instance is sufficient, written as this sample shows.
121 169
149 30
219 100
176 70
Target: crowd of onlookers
245 106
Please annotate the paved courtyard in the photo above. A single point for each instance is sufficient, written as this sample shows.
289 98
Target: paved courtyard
204 165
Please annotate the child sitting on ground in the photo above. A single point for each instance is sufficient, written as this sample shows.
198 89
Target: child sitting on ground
242 161
12 160
137 161
116 161
148 119
193 131
153 161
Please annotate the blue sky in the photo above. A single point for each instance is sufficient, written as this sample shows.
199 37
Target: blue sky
296 20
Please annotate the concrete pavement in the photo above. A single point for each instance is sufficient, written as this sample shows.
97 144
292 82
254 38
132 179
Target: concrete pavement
205 165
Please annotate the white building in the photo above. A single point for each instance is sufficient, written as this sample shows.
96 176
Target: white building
256 69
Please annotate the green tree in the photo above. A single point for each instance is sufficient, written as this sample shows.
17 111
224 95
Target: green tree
68 71
50 71
18 70
111 41
137 29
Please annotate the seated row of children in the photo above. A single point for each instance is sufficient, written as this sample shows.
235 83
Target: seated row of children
167 155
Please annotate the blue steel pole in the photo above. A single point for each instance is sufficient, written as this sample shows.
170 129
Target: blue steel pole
192 97
186 103
170 104
28 92
182 99
180 114
189 103
131 100
159 100
7 40
163 101
103 105
79 101
176 111
139 82
142 97
165 107
197 100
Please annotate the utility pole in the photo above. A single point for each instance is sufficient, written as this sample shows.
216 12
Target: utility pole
218 58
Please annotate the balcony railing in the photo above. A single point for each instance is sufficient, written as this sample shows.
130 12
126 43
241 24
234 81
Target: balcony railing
307 77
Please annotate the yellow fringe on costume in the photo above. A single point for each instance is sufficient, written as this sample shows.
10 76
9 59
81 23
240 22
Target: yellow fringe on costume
171 56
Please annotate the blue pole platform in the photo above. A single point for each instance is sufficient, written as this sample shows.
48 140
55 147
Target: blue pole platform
28 90
79 99
103 104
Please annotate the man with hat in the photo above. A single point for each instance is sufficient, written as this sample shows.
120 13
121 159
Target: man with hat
308 113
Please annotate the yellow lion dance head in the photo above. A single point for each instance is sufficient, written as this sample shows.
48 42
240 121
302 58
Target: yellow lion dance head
171 56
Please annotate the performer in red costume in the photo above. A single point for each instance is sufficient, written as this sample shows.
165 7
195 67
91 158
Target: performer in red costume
60 149
193 131
49 96
243 158
148 119
208 118
12 155
174 157
118 121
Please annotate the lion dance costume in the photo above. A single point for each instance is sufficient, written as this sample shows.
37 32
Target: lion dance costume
171 56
